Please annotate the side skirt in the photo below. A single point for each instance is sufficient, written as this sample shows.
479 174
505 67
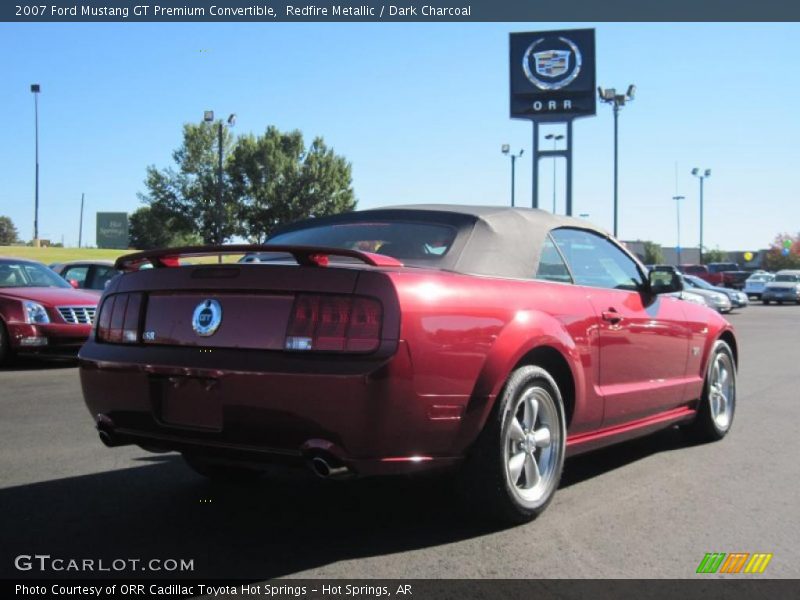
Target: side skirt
584 442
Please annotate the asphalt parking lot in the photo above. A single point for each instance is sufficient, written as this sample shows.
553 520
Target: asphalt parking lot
650 508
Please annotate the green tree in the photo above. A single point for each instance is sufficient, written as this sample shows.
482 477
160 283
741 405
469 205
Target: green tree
154 227
187 192
278 180
653 255
784 253
715 255
8 232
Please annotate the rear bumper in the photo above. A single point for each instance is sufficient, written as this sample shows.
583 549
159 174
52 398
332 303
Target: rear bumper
262 407
48 338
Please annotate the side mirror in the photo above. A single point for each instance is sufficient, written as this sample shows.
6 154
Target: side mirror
665 282
74 283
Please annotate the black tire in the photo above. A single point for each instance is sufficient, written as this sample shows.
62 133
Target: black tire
765 302
6 353
487 477
712 423
220 472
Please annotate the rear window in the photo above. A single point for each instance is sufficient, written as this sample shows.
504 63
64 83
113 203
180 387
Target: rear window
788 277
412 241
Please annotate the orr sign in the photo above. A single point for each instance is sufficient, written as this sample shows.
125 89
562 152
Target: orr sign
552 75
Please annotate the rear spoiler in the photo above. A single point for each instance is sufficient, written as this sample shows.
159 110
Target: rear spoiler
307 256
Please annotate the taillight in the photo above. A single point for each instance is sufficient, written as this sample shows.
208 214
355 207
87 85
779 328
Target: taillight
334 324
118 321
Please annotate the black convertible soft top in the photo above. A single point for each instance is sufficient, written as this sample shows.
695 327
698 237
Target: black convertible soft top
496 241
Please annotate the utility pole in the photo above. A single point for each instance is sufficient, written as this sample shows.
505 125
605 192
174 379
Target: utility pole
80 226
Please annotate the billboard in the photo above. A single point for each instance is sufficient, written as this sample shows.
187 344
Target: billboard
552 75
112 230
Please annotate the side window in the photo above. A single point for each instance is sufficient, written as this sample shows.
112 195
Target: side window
78 274
596 262
102 275
551 264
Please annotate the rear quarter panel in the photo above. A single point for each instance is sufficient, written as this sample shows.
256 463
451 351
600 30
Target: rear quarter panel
465 334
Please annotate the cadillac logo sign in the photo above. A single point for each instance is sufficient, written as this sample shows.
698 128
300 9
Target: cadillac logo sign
552 74
207 318
551 67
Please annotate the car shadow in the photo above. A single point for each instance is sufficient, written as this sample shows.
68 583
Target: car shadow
275 527
596 463
33 363
284 524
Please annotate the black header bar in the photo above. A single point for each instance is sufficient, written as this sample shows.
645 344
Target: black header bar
407 11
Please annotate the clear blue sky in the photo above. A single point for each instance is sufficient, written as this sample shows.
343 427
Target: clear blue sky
419 109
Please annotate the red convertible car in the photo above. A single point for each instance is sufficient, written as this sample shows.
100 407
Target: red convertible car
40 312
495 341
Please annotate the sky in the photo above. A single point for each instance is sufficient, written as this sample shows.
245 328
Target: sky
419 109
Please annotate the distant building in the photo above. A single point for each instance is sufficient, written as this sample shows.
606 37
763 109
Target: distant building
689 256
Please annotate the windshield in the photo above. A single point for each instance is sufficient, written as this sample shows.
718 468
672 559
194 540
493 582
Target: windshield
759 278
788 277
697 282
15 274
401 240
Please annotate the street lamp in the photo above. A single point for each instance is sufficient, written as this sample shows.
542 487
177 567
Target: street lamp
506 149
678 205
555 139
208 117
701 177
610 96
35 89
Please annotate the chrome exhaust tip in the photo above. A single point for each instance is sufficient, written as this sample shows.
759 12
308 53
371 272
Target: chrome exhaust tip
326 470
107 438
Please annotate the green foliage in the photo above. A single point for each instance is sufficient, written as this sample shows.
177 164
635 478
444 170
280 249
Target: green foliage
268 180
155 227
715 255
188 192
279 180
653 255
775 259
8 232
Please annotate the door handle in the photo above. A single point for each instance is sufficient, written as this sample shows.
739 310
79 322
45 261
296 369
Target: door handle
612 316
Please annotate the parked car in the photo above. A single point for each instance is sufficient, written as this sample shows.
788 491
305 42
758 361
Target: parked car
715 301
737 299
755 284
492 340
784 288
90 275
40 312
718 274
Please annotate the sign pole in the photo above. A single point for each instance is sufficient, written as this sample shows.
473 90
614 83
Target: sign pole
535 178
569 169
552 81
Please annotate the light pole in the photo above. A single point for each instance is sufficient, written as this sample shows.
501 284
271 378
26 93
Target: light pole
610 96
678 205
555 139
701 177
208 117
506 149
35 89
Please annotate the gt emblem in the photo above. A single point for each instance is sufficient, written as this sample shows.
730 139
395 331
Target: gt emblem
695 350
207 318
